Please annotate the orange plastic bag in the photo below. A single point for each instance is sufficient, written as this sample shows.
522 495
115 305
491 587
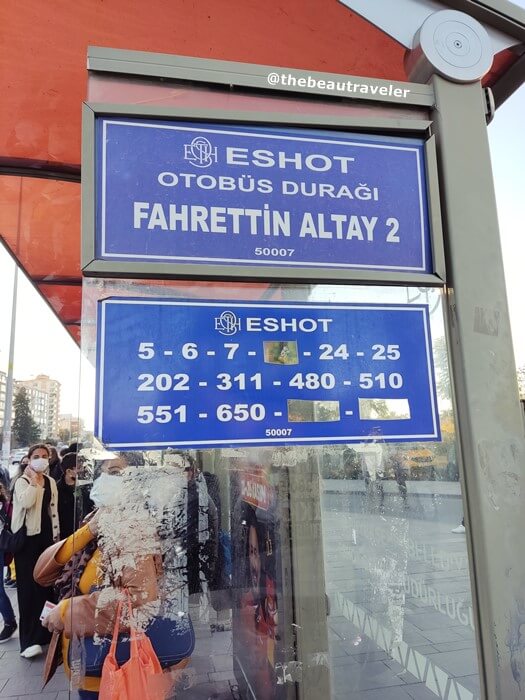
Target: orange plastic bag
139 678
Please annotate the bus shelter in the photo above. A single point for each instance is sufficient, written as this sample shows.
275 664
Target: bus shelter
284 264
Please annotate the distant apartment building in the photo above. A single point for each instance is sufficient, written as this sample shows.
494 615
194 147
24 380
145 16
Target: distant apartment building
70 427
44 399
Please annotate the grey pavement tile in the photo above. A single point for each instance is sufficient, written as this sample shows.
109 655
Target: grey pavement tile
431 621
417 567
372 675
394 665
59 682
221 676
38 696
360 645
370 656
470 682
376 607
442 635
420 605
463 662
360 597
394 693
401 672
455 646
12 644
202 664
194 680
465 632
424 649
457 587
335 661
223 662
413 638
205 691
19 685
13 664
337 649
419 691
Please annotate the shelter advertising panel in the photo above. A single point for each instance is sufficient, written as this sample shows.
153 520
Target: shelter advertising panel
258 614
228 195
210 374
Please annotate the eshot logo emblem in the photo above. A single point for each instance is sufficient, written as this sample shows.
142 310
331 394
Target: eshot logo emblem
200 152
227 323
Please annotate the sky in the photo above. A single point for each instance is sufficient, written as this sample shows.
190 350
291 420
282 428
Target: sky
43 346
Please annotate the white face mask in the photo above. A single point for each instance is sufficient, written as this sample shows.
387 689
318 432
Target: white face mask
39 464
107 490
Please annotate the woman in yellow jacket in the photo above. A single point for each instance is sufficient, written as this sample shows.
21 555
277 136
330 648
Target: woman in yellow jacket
91 580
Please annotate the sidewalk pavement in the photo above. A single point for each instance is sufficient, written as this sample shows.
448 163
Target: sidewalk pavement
210 673
22 678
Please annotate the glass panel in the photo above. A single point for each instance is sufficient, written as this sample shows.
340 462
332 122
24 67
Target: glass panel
116 89
326 571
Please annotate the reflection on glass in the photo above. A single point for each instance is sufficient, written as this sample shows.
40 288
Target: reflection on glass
282 352
385 409
304 411
328 571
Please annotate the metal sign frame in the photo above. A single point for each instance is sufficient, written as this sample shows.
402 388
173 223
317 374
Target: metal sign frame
490 427
91 266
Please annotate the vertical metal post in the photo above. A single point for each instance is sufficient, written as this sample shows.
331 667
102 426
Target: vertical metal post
491 431
6 438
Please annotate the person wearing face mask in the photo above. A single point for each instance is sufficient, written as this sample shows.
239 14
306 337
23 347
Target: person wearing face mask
73 503
88 573
35 501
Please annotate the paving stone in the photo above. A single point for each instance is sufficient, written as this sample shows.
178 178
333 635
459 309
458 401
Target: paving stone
457 663
20 685
419 691
371 676
455 646
470 682
395 693
437 636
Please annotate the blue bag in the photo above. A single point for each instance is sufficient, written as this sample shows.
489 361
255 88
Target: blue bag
171 641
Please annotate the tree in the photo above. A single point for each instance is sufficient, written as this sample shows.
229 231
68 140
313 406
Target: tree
65 435
25 430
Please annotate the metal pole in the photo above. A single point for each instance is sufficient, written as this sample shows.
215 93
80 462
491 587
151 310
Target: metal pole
6 439
491 434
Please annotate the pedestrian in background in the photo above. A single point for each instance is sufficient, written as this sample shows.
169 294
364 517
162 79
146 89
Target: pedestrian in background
6 609
73 502
55 471
35 501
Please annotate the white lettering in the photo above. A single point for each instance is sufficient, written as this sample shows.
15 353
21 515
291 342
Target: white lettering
139 213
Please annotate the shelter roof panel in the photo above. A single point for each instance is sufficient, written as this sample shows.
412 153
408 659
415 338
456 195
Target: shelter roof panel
41 225
43 102
43 81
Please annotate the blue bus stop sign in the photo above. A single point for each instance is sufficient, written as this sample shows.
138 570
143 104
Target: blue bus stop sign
188 373
209 194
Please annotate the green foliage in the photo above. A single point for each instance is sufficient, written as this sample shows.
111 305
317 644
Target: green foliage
25 430
65 435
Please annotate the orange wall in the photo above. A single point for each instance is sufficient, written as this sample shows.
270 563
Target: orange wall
43 47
